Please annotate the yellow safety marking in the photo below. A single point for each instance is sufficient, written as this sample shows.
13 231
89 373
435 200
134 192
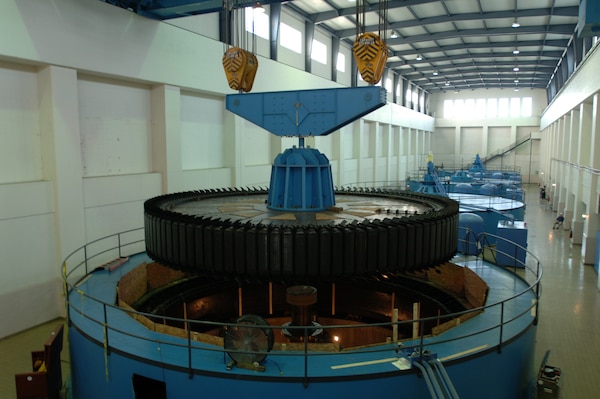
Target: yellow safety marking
463 353
367 363
284 216
393 359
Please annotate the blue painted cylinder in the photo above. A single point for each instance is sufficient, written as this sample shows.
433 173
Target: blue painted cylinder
470 228
489 189
464 188
301 180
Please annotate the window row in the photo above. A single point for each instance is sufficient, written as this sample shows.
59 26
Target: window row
488 108
289 37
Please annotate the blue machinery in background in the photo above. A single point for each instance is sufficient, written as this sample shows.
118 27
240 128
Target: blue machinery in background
431 182
301 178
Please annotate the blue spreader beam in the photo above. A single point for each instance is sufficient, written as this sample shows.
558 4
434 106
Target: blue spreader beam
306 113
301 178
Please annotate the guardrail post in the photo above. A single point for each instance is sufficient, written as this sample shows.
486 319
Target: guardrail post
422 333
106 345
305 357
119 243
189 338
501 326
85 258
537 295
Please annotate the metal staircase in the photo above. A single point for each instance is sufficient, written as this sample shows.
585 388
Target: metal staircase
431 182
501 152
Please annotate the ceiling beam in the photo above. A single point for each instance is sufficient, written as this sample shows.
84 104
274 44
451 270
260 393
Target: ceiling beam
535 12
562 29
522 43
374 7
554 55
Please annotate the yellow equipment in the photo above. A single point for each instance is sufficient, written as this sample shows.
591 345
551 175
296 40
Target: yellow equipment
240 68
370 53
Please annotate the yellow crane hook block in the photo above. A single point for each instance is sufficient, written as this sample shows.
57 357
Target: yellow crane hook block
240 68
370 53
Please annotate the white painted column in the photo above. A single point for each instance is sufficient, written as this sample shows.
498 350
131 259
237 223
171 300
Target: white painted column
568 140
484 140
590 154
358 149
457 147
374 141
62 165
337 142
166 136
61 146
234 156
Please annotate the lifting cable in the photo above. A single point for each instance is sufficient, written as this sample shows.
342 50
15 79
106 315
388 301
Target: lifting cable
370 50
239 63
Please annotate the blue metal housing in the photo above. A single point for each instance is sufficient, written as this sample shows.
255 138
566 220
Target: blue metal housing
301 180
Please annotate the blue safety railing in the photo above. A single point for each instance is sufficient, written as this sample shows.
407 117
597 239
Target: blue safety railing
79 265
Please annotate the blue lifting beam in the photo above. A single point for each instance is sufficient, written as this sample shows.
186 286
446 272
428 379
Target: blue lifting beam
306 113
301 178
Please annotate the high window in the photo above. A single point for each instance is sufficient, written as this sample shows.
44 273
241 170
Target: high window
488 108
341 63
257 22
319 52
290 38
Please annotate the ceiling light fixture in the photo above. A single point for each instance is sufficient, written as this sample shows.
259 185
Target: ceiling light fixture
516 51
394 34
447 83
516 89
258 8
419 58
516 69
516 80
435 73
516 23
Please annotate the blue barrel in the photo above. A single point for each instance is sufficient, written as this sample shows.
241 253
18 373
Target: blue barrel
470 228
489 189
464 188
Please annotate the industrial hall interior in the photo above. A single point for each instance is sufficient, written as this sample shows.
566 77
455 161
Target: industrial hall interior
301 199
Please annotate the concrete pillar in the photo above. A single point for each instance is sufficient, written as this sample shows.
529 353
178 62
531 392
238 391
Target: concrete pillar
374 137
62 163
457 147
62 166
590 152
234 156
359 150
166 136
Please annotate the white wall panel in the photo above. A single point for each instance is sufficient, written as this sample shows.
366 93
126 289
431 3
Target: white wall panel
116 203
207 178
20 148
470 139
498 137
26 244
202 135
115 127
256 146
